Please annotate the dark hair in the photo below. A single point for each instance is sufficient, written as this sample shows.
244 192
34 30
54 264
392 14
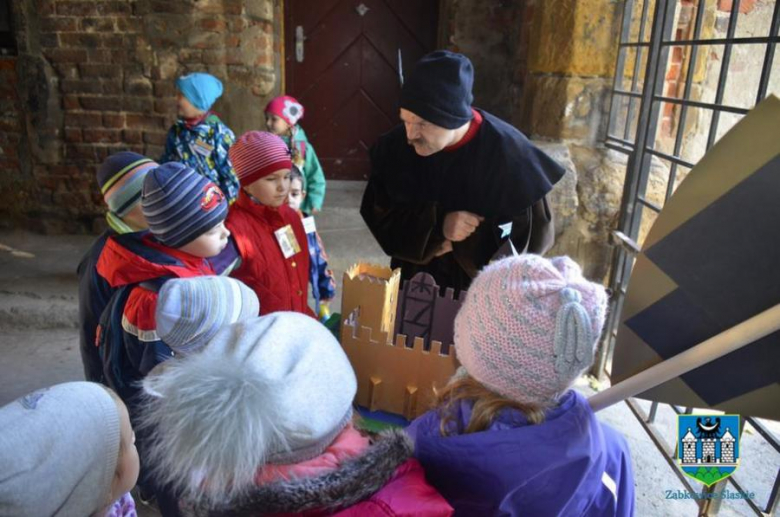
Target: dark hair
295 174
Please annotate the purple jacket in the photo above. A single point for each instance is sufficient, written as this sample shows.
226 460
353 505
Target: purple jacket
571 464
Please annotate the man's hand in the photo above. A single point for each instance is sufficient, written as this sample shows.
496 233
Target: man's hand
459 225
445 248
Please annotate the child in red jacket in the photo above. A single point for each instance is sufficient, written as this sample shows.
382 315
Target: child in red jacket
269 234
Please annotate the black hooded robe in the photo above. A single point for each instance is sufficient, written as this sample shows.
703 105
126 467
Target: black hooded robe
498 174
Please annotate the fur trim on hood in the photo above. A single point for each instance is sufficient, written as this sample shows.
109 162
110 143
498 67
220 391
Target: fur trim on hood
354 481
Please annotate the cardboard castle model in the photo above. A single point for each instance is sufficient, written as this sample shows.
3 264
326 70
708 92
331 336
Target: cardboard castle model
393 336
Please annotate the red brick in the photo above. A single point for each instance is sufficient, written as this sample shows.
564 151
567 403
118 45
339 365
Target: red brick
81 152
138 86
152 150
50 40
238 24
10 124
101 103
113 120
79 86
67 55
108 8
113 40
211 24
67 70
164 88
101 135
65 8
152 122
138 104
70 102
105 24
674 72
59 24
100 55
129 23
132 136
164 106
156 138
113 86
100 71
73 135
677 54
82 119
80 40
745 6
45 7
232 41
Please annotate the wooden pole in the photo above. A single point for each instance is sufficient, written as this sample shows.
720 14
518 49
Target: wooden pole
749 331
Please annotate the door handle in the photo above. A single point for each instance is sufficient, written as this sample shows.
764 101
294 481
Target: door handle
299 39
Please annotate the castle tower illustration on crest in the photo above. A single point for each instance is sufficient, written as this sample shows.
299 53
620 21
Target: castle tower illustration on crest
397 372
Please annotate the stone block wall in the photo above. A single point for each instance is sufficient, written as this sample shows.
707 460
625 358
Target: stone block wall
97 76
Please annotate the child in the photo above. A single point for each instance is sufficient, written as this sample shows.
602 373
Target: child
199 139
269 234
67 450
323 285
259 422
281 118
120 179
509 436
186 214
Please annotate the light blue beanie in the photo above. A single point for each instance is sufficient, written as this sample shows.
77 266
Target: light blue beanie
202 90
190 311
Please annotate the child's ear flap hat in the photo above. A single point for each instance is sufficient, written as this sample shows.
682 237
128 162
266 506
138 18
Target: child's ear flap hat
190 311
256 154
180 205
273 389
59 449
286 107
202 90
529 327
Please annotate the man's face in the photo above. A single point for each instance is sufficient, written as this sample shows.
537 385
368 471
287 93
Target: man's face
209 244
271 190
295 198
185 108
425 137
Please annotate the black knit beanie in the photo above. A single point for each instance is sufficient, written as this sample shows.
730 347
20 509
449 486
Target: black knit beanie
439 89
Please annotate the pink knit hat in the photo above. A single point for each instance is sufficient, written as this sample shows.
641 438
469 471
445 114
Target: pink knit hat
257 154
286 107
529 326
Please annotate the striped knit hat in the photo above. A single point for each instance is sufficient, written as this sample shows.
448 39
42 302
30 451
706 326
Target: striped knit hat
180 205
190 311
257 154
121 178
529 326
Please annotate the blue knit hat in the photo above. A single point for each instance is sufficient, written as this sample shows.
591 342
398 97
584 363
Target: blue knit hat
180 205
439 89
202 90
121 178
190 311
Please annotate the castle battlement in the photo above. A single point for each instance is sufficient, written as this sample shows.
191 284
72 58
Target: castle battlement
394 374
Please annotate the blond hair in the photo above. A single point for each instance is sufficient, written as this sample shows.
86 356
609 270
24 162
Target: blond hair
487 405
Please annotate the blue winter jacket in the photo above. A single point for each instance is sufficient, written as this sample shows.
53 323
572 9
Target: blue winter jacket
570 464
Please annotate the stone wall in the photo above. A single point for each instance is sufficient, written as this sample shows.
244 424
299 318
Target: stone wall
97 76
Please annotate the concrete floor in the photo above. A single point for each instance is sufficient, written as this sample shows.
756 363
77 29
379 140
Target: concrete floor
39 345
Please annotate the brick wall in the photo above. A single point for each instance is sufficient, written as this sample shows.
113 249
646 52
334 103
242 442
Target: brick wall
97 77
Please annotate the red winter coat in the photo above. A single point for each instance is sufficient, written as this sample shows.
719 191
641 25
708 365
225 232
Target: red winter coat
281 284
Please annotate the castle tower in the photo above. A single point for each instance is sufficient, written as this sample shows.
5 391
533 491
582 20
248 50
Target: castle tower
370 296
689 447
727 447
708 450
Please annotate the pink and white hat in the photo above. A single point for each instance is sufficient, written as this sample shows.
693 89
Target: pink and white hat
286 107
529 327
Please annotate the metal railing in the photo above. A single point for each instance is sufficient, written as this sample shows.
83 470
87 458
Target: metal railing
633 131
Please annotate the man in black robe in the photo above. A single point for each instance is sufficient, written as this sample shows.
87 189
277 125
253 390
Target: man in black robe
451 183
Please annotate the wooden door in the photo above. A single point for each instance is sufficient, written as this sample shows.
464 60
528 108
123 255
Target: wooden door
346 71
